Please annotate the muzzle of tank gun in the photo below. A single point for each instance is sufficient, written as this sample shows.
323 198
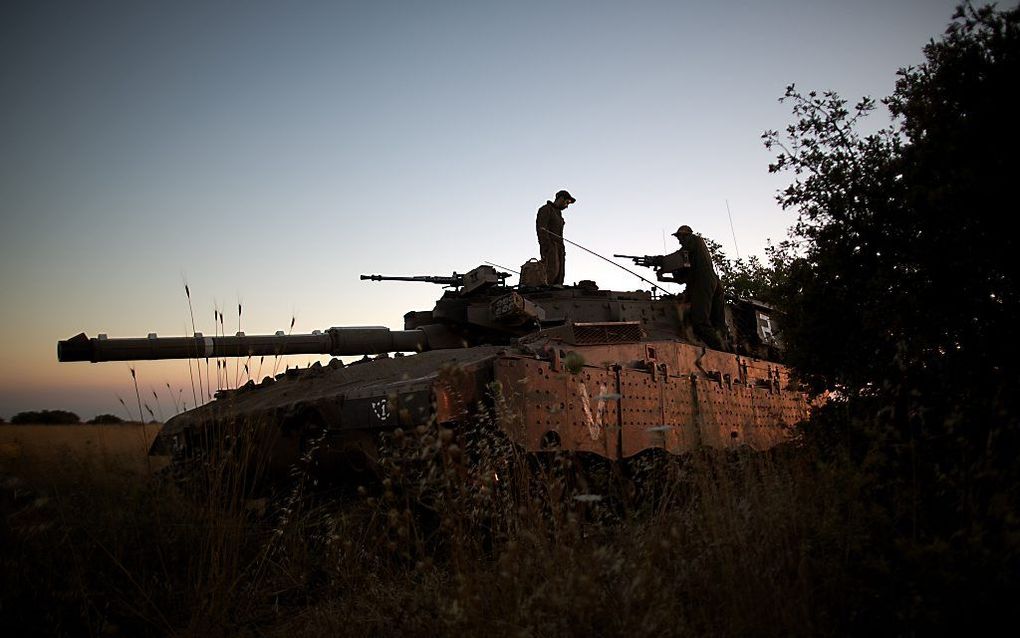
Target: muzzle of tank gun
362 340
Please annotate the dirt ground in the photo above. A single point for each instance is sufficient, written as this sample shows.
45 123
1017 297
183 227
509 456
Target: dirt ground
121 447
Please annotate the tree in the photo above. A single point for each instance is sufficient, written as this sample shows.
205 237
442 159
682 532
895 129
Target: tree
45 417
748 278
900 294
105 419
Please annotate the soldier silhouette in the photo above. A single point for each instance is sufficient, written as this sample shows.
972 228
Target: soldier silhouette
549 226
708 317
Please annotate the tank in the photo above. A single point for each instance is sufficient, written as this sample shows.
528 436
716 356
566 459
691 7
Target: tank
609 373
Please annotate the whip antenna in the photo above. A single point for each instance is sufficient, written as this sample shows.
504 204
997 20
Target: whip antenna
732 232
503 267
653 284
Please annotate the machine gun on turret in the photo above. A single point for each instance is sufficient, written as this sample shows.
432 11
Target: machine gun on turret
455 280
469 282
674 267
648 261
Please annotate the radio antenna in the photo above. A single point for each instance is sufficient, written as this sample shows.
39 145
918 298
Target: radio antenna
664 291
732 232
503 267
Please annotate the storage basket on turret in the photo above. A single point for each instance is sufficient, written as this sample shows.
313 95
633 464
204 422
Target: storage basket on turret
533 273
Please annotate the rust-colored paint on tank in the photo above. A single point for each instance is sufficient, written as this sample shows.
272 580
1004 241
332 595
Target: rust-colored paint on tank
617 410
580 409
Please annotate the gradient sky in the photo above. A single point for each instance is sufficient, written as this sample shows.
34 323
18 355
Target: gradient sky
270 152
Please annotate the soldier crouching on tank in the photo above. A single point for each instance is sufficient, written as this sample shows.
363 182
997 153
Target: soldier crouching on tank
549 225
708 317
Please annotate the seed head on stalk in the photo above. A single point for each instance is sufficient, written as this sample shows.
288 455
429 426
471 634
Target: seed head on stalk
138 396
159 407
126 411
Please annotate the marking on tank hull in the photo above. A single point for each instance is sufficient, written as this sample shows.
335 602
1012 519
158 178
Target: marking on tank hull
594 419
381 409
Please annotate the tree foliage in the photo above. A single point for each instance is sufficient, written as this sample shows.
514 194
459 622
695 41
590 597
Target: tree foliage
900 295
749 278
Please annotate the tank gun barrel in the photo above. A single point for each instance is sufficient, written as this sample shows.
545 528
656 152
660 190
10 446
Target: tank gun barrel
335 342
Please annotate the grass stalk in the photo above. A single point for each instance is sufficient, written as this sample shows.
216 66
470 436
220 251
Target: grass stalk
194 331
237 360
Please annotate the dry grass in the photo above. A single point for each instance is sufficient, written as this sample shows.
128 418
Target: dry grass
461 536
118 448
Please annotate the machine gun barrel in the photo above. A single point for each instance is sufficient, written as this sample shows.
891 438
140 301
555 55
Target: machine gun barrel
649 261
335 341
455 280
474 280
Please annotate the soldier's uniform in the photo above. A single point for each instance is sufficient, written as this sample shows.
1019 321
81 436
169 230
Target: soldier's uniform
703 291
551 246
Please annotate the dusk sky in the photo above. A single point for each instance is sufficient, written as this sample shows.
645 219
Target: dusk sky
269 153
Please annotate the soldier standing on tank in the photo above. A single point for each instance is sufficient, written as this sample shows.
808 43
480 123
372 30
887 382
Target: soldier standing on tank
704 291
549 225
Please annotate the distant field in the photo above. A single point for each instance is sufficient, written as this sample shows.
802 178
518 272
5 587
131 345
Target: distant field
122 448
